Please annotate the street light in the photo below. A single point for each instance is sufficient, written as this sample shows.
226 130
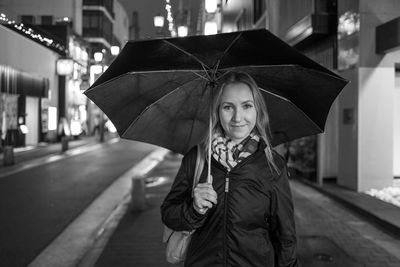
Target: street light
98 57
210 27
211 6
115 50
182 31
64 66
158 21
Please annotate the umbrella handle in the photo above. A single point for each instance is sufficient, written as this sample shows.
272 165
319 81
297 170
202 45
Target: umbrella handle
209 178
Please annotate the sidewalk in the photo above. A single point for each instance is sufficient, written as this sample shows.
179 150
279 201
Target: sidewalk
24 154
384 215
134 238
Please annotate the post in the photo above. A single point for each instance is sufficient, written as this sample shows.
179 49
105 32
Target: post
101 127
64 143
8 156
138 194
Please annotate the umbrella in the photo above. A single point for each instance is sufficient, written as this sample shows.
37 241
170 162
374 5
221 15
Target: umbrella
158 91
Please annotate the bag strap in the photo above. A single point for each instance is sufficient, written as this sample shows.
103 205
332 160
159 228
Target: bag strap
199 167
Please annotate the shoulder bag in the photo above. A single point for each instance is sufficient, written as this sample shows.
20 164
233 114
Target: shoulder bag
178 241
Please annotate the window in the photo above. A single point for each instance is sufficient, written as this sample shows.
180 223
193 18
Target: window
46 20
97 24
28 19
258 10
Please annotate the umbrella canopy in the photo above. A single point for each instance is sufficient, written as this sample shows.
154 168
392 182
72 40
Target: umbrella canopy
158 91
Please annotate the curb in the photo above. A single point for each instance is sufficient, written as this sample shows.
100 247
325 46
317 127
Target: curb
384 215
25 165
71 246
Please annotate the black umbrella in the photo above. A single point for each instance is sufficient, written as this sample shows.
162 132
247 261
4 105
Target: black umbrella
158 91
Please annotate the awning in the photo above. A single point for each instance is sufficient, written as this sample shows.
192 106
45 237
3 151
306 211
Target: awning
387 37
13 81
311 28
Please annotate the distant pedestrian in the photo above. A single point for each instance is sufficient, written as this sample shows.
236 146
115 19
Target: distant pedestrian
244 217
96 127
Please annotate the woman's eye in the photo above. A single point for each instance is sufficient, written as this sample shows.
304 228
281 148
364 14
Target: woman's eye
247 106
226 107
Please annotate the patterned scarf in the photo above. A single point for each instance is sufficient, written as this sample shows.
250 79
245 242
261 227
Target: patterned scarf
230 154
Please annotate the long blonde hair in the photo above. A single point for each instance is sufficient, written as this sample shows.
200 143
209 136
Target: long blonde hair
262 122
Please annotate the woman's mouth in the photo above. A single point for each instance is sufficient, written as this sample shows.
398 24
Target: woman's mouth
238 126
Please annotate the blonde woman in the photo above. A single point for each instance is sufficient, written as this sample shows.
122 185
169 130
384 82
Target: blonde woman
244 216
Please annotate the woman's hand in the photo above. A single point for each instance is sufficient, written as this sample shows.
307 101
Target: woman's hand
204 197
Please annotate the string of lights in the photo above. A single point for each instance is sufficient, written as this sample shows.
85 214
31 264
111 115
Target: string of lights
30 33
170 19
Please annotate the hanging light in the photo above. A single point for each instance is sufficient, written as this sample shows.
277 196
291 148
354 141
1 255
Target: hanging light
64 66
210 27
115 50
158 21
182 31
211 6
98 56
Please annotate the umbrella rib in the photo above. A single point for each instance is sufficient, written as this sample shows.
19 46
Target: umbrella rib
291 103
226 50
187 53
155 102
201 76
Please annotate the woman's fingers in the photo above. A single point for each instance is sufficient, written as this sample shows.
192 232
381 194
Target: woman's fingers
204 196
206 191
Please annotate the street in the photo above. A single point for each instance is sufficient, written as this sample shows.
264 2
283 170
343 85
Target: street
100 100
38 203
328 233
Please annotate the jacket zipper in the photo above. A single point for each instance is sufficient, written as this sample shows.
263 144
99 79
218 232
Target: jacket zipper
225 220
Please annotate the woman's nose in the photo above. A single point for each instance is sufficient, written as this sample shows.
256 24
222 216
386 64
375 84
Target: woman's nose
237 116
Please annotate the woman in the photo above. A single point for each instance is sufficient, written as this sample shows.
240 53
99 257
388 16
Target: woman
245 216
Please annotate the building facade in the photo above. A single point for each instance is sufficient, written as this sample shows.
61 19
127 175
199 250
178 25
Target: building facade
360 148
27 87
83 28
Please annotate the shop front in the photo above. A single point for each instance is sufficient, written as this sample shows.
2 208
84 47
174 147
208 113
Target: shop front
20 107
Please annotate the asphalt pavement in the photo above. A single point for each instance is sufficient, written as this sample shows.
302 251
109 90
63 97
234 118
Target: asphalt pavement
38 201
329 233
335 226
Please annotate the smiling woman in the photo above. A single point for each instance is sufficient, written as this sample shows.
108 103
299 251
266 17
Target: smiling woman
237 112
243 214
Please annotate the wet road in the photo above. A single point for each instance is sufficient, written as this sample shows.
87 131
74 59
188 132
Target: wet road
38 203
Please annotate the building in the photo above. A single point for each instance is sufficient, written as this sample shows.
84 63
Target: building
83 28
29 84
106 28
360 148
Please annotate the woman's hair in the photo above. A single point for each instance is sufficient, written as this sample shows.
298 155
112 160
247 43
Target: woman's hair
262 122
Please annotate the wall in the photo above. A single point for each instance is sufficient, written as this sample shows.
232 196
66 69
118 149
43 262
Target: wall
328 144
375 139
121 24
23 54
376 98
348 131
396 123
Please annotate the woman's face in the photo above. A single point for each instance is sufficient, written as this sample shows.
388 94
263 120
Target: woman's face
237 111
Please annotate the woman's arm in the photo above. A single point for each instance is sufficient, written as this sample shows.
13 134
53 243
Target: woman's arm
283 225
177 211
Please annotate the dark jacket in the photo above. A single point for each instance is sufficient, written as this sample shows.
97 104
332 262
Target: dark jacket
252 221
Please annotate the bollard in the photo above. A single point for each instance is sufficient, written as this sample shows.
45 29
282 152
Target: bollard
8 156
64 143
138 194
